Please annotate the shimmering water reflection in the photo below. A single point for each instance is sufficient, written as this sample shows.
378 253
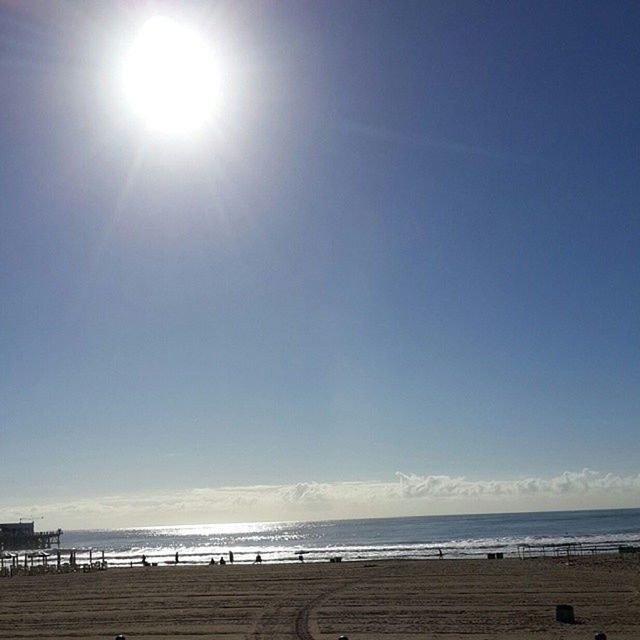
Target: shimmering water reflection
417 537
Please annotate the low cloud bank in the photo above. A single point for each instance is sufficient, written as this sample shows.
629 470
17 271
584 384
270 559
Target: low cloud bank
576 482
407 494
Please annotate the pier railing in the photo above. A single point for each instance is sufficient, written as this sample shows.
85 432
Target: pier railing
571 549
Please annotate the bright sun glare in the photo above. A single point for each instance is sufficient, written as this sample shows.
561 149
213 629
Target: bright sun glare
170 77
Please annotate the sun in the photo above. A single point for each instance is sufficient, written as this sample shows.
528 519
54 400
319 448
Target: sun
170 77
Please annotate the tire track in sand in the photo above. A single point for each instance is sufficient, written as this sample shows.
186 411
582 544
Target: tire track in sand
301 625
285 618
270 622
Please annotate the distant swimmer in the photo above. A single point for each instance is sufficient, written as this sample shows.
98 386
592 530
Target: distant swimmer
301 558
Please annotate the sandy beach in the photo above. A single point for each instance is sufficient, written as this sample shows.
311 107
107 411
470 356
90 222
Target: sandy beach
453 599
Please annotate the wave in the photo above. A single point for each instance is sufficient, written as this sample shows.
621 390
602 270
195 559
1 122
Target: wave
393 538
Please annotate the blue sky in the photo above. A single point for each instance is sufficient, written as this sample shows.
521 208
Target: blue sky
409 243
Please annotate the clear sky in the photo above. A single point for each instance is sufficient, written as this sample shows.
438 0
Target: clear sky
405 251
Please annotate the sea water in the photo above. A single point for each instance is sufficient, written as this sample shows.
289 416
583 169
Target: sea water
459 536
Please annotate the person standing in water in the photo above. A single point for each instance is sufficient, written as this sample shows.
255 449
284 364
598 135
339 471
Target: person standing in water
231 557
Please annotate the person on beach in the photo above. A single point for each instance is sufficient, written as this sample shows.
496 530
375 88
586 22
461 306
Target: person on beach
301 558
212 562
440 554
231 557
177 558
222 560
258 559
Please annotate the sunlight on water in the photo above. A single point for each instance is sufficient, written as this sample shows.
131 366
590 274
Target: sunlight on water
229 528
392 538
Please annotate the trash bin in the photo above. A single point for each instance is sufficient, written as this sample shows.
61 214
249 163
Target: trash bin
564 613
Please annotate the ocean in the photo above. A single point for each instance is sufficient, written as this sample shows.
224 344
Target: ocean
459 536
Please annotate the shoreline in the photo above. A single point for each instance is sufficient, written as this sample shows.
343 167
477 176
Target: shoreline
70 558
418 537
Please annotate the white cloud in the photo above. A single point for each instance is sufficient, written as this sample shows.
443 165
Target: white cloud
304 492
407 494
569 482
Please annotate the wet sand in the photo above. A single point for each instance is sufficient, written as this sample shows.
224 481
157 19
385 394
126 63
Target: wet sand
386 600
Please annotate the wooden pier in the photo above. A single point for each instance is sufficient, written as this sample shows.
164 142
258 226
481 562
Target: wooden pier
22 535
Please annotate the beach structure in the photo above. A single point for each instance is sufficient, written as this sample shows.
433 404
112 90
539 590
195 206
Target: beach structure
573 549
22 535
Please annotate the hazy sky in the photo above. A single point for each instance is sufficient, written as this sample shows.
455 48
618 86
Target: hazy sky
406 252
